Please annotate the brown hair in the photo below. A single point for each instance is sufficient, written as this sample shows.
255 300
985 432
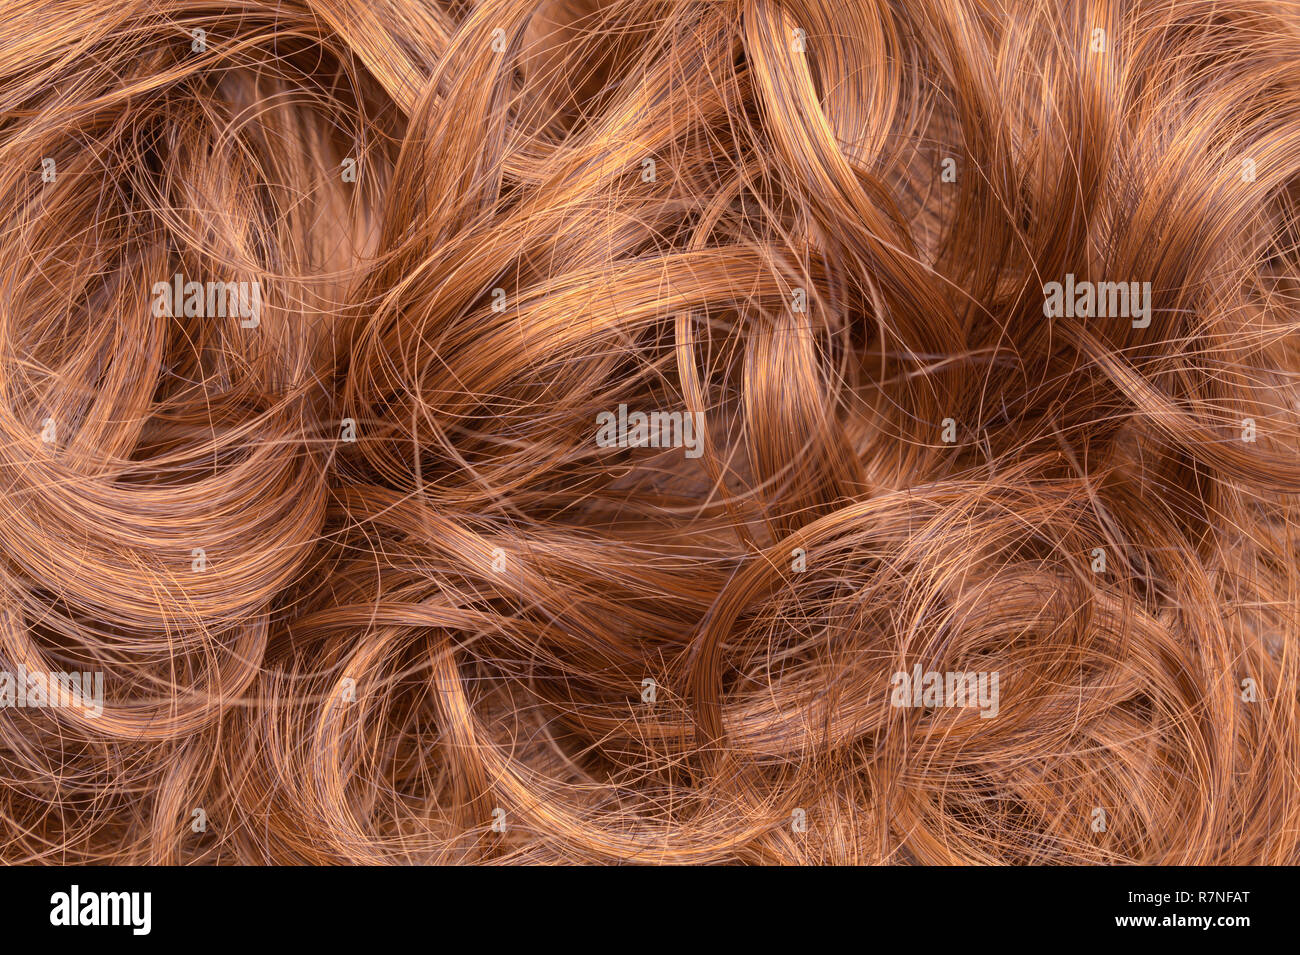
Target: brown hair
565 430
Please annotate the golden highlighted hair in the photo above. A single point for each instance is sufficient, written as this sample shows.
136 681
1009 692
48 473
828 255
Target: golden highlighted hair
566 430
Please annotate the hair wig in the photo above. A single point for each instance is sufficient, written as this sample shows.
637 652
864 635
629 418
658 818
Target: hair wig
652 431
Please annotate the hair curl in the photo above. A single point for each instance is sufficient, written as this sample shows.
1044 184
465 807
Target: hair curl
365 587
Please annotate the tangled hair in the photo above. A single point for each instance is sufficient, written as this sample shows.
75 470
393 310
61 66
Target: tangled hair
365 583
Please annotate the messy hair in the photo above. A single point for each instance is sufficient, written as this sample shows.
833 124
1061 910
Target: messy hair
363 585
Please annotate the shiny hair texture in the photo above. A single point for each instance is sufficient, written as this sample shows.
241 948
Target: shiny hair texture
365 587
